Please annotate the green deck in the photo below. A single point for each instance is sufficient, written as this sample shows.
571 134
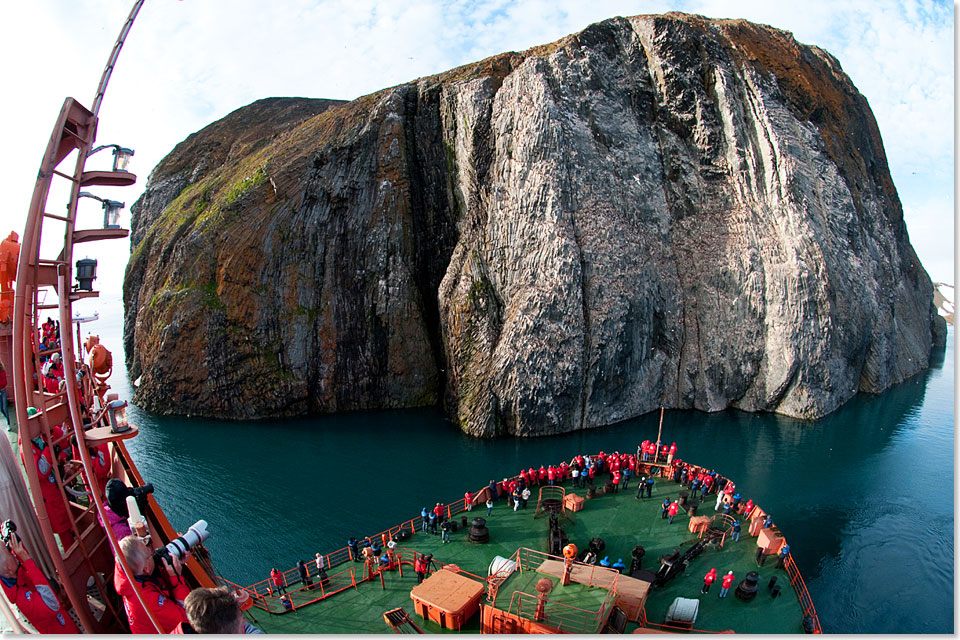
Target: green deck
621 520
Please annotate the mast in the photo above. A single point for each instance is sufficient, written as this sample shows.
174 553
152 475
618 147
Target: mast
85 562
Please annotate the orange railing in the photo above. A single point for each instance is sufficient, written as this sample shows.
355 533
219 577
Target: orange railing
802 594
556 614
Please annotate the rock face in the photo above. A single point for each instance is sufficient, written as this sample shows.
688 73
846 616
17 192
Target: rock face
659 210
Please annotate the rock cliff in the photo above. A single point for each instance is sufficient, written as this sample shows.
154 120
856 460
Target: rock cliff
658 210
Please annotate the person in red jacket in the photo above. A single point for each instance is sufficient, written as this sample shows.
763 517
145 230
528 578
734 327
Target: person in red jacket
709 580
43 459
542 475
672 451
551 475
26 587
277 578
725 585
468 501
162 593
672 511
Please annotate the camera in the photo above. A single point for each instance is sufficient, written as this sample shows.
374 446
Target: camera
140 492
8 531
179 546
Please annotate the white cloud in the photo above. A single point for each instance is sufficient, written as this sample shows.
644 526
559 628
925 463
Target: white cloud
189 63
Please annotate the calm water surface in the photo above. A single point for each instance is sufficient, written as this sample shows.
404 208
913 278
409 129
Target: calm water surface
865 496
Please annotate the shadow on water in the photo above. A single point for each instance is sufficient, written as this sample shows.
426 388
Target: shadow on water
848 490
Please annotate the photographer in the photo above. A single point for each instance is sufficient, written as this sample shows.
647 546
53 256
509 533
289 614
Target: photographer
26 587
163 589
214 611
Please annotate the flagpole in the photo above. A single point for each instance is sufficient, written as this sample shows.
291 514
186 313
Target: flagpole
656 457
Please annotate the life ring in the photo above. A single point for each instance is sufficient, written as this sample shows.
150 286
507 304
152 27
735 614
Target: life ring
570 551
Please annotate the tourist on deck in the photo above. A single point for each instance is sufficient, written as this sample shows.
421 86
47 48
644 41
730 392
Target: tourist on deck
441 511
708 580
694 485
615 480
468 501
768 522
319 563
672 511
286 602
278 581
489 506
213 611
432 520
445 527
425 519
492 491
305 578
524 496
542 475
650 487
719 501
619 565
44 458
782 556
532 477
352 545
575 475
156 587
26 587
725 585
736 531
516 498
664 508
625 477
672 451
641 487
421 564
747 508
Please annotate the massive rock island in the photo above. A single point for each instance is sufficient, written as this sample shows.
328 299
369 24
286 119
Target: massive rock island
656 211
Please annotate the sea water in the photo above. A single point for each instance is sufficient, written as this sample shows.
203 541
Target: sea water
864 496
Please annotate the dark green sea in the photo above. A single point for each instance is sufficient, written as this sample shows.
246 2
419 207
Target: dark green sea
865 496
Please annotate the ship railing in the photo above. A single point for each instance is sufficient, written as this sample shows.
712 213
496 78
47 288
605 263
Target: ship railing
802 594
266 598
558 615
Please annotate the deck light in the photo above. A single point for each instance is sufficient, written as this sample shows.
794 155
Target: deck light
121 158
121 155
86 274
118 416
111 210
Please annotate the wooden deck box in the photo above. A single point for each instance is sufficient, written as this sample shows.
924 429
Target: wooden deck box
573 502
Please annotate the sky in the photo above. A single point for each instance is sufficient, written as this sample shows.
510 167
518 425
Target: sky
187 63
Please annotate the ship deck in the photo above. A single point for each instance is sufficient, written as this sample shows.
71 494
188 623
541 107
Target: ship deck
619 519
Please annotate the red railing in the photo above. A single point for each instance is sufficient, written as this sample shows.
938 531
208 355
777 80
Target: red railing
802 594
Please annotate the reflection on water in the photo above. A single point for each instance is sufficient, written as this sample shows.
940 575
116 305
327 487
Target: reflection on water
865 495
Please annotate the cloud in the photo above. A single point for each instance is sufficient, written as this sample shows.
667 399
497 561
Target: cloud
189 63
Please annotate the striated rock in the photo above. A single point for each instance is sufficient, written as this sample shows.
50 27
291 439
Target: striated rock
659 210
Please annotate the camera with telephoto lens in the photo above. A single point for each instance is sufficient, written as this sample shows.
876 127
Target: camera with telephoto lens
140 492
8 532
179 546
